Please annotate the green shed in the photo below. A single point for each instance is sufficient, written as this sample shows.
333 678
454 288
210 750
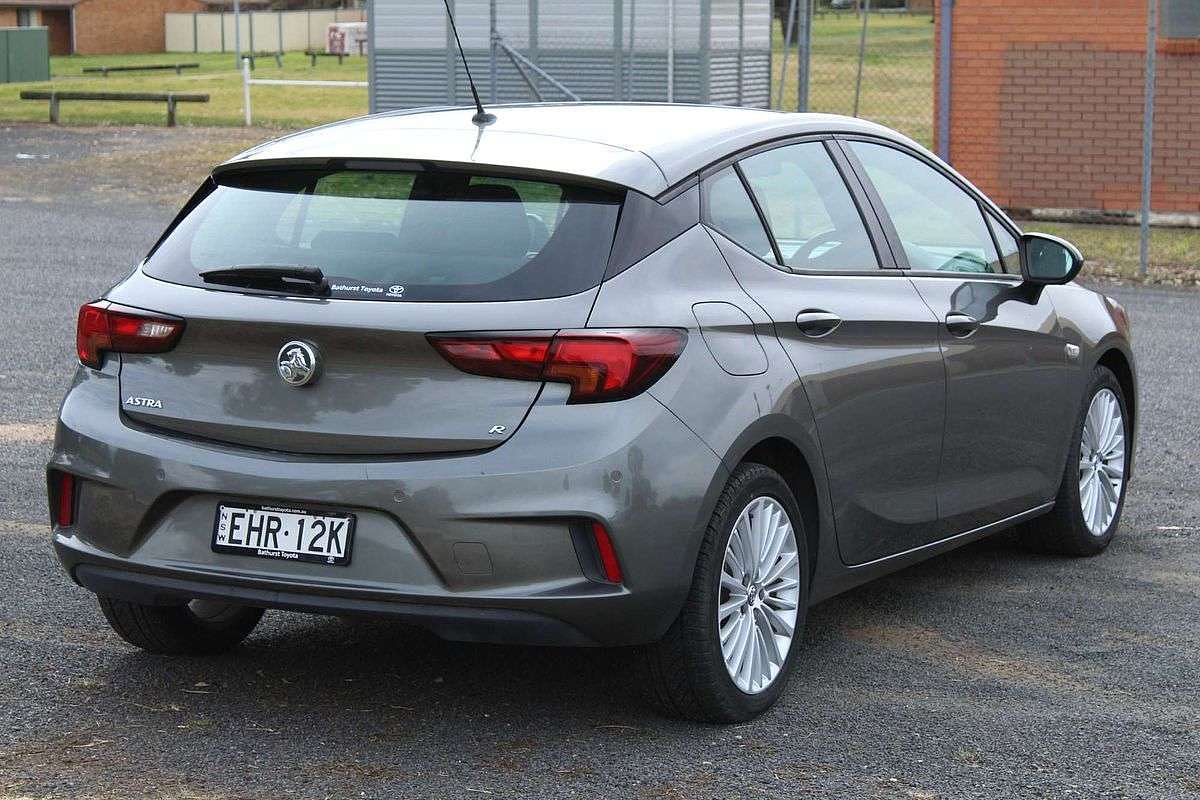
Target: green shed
24 55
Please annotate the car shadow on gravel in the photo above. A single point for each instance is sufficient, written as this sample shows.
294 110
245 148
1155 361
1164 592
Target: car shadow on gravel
300 669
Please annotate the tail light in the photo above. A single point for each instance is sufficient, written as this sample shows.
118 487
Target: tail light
108 327
599 365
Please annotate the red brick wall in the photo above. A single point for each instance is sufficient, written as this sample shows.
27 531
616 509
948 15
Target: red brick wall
1046 105
8 18
125 26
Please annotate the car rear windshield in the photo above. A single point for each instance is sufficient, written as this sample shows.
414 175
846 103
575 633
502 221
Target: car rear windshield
398 235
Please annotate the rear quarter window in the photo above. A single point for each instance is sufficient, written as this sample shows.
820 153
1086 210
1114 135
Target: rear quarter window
396 235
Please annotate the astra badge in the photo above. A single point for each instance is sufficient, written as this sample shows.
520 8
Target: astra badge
297 363
143 402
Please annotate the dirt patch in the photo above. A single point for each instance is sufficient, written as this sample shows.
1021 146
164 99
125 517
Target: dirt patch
1183 275
162 166
32 530
964 656
26 433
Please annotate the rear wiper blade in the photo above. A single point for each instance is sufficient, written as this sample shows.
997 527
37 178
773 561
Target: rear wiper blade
268 276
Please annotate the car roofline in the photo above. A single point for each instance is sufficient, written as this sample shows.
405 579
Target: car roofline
645 170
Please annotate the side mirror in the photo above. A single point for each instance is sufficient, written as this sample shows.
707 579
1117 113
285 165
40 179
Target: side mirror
1047 259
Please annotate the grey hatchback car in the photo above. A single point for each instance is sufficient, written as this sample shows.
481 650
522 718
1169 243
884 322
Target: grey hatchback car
590 374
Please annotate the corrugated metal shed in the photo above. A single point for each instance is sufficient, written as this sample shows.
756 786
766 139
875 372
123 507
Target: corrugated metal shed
598 49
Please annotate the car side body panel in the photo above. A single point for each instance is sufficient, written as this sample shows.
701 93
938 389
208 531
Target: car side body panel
1006 422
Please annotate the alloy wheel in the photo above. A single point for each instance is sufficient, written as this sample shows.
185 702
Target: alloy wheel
1101 461
759 595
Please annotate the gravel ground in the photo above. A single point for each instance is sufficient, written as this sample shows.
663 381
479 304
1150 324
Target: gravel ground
990 672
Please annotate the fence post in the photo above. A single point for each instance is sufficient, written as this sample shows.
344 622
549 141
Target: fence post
804 55
945 67
629 60
862 54
493 63
787 51
741 62
1148 134
451 60
618 43
534 28
54 107
170 109
670 51
237 31
246 89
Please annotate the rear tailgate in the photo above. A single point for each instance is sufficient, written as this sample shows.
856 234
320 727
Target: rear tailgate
380 387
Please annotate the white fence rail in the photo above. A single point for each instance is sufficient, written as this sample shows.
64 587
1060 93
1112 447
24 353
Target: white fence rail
247 82
261 31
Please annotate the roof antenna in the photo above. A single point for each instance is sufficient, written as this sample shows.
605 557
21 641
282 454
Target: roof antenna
481 117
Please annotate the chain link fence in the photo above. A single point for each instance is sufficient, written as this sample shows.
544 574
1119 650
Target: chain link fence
868 58
1082 125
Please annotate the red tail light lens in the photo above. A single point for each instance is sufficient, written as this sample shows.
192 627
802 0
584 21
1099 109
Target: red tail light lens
518 358
599 365
107 327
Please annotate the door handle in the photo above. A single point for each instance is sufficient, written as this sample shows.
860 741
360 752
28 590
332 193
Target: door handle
816 323
961 325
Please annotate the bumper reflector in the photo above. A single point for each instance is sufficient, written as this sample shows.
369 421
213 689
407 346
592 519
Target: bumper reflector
64 516
608 556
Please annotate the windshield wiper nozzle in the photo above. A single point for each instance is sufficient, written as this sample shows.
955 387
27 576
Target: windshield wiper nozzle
294 278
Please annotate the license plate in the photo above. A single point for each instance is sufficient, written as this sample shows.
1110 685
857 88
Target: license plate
290 534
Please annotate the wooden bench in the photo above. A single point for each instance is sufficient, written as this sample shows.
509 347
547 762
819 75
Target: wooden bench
179 68
265 54
170 98
312 54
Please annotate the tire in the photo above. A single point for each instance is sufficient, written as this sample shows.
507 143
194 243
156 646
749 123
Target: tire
685 673
199 627
1065 530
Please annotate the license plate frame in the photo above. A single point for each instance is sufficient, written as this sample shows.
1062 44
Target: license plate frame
302 523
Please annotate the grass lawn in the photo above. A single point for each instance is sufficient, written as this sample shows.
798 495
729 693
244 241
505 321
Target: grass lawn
897 84
274 106
1112 251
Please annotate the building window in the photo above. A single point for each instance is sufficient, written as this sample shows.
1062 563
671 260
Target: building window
1181 19
25 18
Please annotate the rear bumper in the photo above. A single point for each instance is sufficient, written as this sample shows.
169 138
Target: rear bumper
146 501
466 624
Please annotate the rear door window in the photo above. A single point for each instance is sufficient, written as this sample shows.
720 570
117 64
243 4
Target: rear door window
397 235
811 212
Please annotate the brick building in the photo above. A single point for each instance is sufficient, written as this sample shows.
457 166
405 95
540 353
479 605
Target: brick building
1047 98
92 27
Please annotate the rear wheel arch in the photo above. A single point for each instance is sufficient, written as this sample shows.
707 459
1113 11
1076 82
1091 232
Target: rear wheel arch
784 444
783 456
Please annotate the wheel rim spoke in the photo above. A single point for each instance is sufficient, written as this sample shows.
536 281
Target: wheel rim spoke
758 607
1101 461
